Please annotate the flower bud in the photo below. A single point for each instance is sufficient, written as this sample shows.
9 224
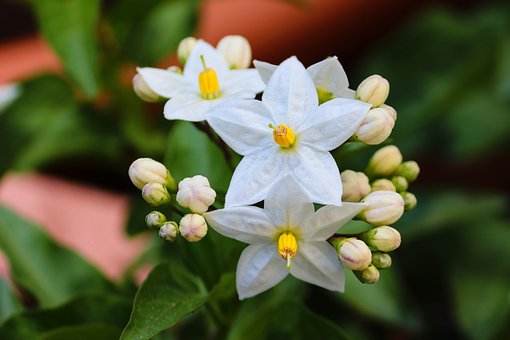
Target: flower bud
155 219
369 275
196 194
409 169
168 231
376 127
410 200
382 238
381 260
147 170
383 184
155 194
400 183
373 90
355 186
390 110
143 91
237 51
353 253
383 207
193 227
385 161
184 49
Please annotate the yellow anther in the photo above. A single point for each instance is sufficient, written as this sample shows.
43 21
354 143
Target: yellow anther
284 136
287 246
208 82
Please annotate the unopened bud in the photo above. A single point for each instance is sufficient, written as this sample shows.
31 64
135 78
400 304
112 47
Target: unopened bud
373 90
155 219
169 231
355 186
383 207
381 260
390 110
410 200
369 275
409 169
383 184
185 48
382 238
196 194
385 161
237 51
193 227
400 183
143 91
155 194
353 253
147 170
376 127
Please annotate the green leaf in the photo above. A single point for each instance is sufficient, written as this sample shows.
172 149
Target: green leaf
314 326
83 311
383 300
190 153
9 305
44 124
168 295
96 331
162 29
51 272
354 227
70 28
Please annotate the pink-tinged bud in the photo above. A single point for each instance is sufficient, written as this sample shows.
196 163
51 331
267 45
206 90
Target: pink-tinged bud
196 194
147 170
383 207
376 127
155 219
354 253
169 231
193 227
355 186
382 238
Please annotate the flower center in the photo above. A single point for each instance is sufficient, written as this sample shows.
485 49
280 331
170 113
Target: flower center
287 246
208 82
284 136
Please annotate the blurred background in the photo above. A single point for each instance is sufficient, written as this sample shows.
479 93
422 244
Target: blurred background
70 125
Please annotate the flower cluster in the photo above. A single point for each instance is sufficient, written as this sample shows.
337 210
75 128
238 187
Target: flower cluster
285 139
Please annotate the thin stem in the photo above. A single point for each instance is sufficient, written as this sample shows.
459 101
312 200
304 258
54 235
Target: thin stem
218 141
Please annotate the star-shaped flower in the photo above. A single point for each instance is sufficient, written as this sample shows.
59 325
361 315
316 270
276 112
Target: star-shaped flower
328 76
287 133
287 236
206 81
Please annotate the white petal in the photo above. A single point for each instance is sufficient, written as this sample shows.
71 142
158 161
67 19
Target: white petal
165 83
254 176
287 204
347 93
318 264
245 224
259 268
243 125
190 107
246 81
213 59
317 173
328 219
330 75
265 69
333 123
290 93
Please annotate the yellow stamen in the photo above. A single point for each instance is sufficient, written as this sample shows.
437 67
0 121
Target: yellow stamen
287 246
208 82
284 136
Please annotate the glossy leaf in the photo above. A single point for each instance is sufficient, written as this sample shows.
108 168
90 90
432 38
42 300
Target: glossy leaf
52 273
96 331
9 305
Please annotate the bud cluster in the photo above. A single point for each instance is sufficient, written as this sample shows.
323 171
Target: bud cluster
386 199
380 120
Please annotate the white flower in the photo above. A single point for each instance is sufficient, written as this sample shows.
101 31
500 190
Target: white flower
196 194
287 133
287 236
237 51
328 76
206 81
